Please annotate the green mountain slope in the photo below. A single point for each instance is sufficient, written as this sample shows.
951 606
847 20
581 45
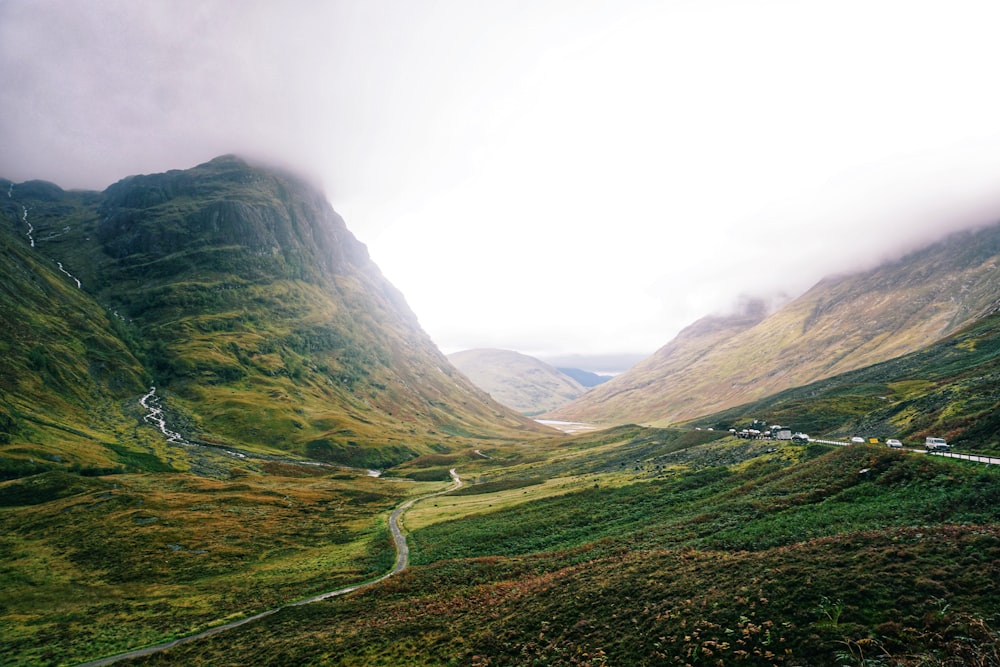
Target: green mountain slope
841 324
518 381
244 298
948 389
64 367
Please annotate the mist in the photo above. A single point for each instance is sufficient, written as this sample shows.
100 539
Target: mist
557 178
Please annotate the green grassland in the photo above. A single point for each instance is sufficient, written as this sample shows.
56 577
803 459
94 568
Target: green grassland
97 565
627 546
808 556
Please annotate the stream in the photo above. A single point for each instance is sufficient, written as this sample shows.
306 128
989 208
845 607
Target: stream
155 416
31 229
72 277
31 236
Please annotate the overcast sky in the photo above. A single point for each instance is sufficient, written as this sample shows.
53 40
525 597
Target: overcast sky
546 176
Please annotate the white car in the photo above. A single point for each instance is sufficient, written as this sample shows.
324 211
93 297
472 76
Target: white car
856 440
895 444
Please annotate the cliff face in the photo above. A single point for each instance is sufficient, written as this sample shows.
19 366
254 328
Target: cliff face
227 203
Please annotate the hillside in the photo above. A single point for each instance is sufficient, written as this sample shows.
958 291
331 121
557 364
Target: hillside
65 365
947 389
518 381
800 556
243 298
841 324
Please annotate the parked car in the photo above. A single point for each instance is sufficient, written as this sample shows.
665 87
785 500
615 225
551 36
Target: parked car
856 440
801 437
895 444
935 444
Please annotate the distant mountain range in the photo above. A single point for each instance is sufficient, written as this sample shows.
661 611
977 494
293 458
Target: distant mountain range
242 297
586 378
519 381
842 324
602 365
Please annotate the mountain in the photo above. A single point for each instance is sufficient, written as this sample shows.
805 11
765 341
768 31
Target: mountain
585 378
65 359
243 298
841 324
603 364
947 389
518 381
270 336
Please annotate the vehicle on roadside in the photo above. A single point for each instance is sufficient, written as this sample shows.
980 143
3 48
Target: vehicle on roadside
856 440
936 444
895 444
800 437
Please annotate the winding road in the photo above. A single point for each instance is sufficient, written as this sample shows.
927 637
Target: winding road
402 561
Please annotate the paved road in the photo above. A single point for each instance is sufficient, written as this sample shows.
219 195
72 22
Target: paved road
988 460
402 561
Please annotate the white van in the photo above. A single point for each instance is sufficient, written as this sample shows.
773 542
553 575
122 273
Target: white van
935 444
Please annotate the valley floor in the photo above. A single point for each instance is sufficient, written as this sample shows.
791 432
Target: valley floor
630 546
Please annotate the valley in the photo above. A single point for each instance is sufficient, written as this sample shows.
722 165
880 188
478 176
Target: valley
518 381
402 560
225 439
661 559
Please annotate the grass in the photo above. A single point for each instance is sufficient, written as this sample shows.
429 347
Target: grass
513 494
97 565
687 570
630 546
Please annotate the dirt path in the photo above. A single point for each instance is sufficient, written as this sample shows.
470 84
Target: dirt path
402 561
